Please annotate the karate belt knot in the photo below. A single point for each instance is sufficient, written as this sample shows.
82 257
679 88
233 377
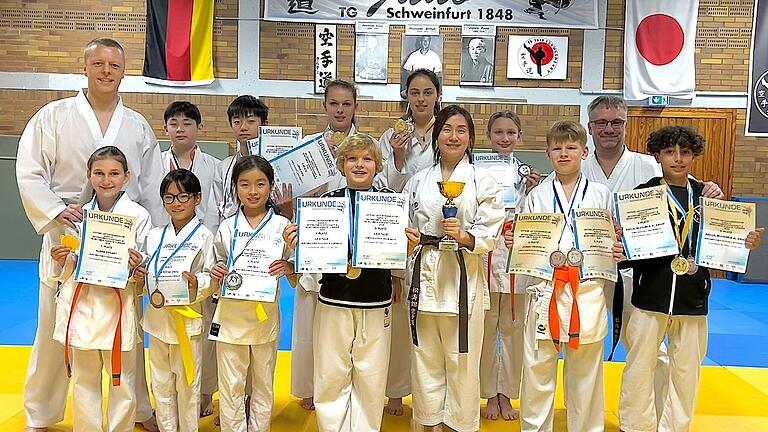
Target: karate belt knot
562 276
506 227
413 294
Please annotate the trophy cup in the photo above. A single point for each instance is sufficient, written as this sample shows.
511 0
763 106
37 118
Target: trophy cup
450 190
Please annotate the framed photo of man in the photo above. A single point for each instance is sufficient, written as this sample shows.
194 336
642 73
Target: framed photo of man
477 60
371 56
420 52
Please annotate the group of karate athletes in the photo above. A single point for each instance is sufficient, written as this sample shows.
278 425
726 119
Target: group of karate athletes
453 331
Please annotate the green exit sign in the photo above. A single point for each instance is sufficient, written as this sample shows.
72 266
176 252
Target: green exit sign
658 101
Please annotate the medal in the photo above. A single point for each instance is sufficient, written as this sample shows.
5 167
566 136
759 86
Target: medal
680 265
557 259
353 272
69 241
401 126
524 170
575 257
157 299
233 280
692 266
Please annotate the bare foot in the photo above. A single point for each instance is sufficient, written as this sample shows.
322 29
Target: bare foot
307 403
394 407
491 411
437 428
149 425
507 412
206 405
217 421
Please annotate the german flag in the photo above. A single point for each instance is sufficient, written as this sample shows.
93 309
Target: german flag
179 47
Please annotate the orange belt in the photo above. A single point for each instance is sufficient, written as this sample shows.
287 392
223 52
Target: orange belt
562 276
117 342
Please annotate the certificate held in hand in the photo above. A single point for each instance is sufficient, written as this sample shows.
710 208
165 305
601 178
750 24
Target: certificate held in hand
537 235
723 231
305 167
594 236
323 235
104 248
642 214
379 230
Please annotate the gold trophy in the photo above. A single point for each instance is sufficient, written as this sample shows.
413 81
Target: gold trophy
450 190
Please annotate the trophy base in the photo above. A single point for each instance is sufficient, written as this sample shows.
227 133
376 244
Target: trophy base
448 244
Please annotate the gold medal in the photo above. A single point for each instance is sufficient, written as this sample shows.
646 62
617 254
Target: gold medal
69 241
338 138
557 259
157 299
401 126
353 272
680 265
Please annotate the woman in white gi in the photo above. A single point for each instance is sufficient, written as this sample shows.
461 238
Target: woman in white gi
501 362
181 252
583 371
246 331
87 316
449 291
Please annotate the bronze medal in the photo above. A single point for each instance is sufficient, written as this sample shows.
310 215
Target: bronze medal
157 299
353 272
557 259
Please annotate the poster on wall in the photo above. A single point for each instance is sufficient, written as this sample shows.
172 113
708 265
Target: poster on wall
422 49
757 108
516 13
478 49
537 57
325 56
371 52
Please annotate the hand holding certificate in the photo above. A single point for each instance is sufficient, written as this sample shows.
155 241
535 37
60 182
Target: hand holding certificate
536 236
380 222
724 228
323 235
106 239
594 236
305 167
642 214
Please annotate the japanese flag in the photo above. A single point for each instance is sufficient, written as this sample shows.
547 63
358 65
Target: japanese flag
659 41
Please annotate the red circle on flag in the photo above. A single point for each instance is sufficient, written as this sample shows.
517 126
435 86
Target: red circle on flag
549 54
659 39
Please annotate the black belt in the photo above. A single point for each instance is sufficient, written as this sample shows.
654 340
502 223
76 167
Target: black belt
413 294
617 312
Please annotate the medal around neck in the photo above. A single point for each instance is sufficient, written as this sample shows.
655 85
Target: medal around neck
692 266
353 272
157 299
334 138
524 170
557 259
680 265
575 257
233 280
401 126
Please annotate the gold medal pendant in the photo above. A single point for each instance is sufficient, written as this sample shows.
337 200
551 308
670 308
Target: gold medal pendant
680 265
338 138
157 299
353 272
557 259
69 241
401 126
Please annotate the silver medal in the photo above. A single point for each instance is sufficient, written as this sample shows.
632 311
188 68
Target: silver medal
557 259
233 280
524 170
575 257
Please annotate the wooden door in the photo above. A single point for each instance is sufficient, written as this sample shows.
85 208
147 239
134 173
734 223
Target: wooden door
717 126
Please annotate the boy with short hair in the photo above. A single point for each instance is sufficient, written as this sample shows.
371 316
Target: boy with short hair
583 372
668 304
246 113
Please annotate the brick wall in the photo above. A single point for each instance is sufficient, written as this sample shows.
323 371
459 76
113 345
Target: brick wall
50 36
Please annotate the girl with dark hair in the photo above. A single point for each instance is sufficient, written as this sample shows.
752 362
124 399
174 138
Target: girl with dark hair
246 324
448 290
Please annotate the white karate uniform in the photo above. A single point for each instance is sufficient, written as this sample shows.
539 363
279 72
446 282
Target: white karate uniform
445 383
245 347
583 373
176 401
50 171
92 332
501 361
226 201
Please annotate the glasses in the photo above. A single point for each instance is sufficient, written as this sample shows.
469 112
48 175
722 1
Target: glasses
616 123
182 197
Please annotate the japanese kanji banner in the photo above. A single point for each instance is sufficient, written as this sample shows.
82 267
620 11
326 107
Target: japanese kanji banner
325 56
757 106
179 47
519 13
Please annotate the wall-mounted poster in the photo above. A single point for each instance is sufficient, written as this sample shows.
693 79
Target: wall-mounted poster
371 52
537 57
325 56
422 49
478 49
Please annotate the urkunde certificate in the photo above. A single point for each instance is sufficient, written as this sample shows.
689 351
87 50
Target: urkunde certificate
594 236
167 268
253 265
379 239
501 169
274 141
642 214
323 235
723 230
104 248
537 235
305 167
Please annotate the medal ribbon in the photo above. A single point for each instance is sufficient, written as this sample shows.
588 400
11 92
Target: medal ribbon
181 312
175 162
156 254
565 275
684 233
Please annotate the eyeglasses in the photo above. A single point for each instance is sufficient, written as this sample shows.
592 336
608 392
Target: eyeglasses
182 197
615 123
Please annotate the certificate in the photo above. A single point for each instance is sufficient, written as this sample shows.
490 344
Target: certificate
722 233
501 169
274 141
643 215
594 236
379 230
537 235
323 232
171 280
305 167
253 265
104 248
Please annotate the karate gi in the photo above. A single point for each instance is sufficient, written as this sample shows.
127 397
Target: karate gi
92 324
501 361
226 201
583 372
445 383
51 172
245 346
177 402
204 166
